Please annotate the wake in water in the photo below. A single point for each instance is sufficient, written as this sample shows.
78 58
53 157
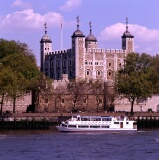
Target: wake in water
157 140
2 136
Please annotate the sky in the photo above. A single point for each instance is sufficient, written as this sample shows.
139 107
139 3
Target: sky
23 20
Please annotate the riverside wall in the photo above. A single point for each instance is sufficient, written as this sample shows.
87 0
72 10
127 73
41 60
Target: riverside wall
44 121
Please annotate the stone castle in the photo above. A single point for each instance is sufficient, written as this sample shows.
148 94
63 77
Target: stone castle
84 60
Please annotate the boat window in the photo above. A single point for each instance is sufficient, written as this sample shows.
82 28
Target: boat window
106 119
63 125
95 119
85 119
116 122
105 126
83 126
72 126
94 126
127 122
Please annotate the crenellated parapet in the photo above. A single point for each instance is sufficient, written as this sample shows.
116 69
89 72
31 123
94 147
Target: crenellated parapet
99 50
65 51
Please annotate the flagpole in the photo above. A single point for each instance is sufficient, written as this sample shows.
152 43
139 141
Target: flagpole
61 34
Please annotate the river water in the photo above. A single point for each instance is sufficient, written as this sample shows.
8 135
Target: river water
54 145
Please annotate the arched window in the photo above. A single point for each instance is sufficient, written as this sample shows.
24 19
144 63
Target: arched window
98 73
87 72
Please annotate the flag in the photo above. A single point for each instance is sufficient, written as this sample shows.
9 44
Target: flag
61 22
90 24
77 19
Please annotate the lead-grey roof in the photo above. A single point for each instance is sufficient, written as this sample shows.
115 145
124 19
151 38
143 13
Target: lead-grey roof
78 33
91 38
127 34
46 38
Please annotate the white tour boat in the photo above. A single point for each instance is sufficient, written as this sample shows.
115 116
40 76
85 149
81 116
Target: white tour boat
97 123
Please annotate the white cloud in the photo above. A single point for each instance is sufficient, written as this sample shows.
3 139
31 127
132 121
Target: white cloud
145 40
19 3
28 19
70 5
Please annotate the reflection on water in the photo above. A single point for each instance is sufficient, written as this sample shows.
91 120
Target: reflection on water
54 145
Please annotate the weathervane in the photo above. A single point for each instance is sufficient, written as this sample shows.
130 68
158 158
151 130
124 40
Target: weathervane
90 24
77 22
45 28
126 23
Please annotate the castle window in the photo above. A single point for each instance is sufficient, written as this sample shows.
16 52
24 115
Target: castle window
109 74
109 64
62 100
70 62
87 72
64 63
100 101
84 101
58 63
98 73
45 48
86 62
120 65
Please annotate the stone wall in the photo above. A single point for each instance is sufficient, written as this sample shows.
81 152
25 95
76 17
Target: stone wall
21 103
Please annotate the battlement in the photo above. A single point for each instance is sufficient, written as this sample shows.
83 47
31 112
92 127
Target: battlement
65 51
99 50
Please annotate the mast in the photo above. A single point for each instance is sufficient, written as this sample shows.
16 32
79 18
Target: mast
61 39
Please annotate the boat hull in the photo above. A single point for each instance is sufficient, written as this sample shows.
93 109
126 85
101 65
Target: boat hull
66 129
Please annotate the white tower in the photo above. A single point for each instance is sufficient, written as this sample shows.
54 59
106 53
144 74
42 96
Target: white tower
45 47
127 40
78 48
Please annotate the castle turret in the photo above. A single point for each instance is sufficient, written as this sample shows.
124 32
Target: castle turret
45 47
78 49
127 40
91 41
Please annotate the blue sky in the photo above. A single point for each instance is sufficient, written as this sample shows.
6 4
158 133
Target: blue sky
24 20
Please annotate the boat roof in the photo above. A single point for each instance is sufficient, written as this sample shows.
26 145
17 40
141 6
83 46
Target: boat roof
93 116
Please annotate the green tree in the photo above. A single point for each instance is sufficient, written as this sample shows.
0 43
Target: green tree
133 81
23 71
154 74
13 47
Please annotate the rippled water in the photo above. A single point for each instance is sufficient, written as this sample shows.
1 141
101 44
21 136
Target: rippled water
54 145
